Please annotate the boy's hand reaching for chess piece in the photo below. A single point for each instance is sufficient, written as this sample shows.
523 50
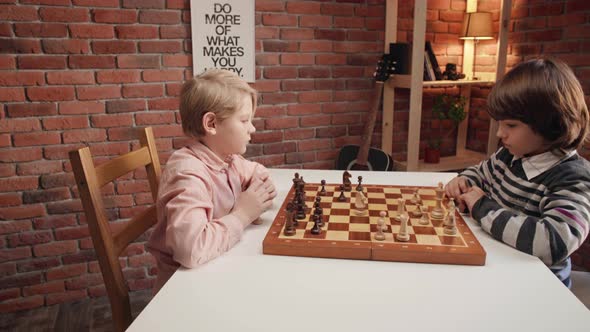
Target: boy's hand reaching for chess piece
255 200
455 189
470 197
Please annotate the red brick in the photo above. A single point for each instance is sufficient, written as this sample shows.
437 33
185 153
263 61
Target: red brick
7 255
160 46
136 32
39 167
18 13
164 104
279 20
22 303
7 269
280 46
22 78
84 135
114 16
50 222
38 138
4 142
154 118
118 106
12 94
38 264
162 75
20 155
65 272
84 281
144 4
175 32
30 238
118 76
31 109
8 227
159 17
47 195
96 3
98 92
55 248
19 125
112 120
45 288
330 34
69 296
20 46
57 180
10 199
5 30
64 14
50 93
71 233
143 90
280 72
91 31
113 47
138 61
70 77
177 60
40 30
7 294
70 46
91 61
7 62
81 107
22 212
47 2
280 123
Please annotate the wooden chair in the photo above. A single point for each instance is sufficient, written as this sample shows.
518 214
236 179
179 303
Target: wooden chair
108 244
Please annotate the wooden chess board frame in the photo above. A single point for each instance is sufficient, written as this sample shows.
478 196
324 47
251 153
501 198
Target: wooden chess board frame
352 237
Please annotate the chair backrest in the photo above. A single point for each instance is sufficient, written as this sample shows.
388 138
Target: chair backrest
108 244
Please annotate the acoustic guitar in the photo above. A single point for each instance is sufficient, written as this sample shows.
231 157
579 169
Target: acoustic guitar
353 157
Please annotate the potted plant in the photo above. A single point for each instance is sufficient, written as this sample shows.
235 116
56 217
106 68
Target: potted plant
446 108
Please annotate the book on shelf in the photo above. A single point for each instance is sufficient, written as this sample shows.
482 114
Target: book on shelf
433 61
428 71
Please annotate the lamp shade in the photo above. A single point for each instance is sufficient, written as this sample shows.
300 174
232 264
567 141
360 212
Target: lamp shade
477 26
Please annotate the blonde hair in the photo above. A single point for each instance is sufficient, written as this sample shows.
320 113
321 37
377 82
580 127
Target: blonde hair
546 95
217 91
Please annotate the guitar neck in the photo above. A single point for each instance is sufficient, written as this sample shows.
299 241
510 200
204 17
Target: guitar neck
363 154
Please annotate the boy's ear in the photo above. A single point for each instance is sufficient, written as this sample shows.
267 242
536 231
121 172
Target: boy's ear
210 123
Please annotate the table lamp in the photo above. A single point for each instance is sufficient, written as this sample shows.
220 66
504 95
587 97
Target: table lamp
476 26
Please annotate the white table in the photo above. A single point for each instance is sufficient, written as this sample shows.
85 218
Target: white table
244 290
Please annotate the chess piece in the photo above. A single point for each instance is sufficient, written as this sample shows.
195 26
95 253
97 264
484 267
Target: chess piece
379 236
417 212
450 225
416 199
315 230
400 208
342 197
360 203
323 191
346 181
320 219
359 187
289 227
403 235
438 212
424 219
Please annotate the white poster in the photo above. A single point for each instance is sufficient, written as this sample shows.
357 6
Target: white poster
223 36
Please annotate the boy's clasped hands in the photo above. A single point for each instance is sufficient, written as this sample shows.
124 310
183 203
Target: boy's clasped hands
463 193
256 199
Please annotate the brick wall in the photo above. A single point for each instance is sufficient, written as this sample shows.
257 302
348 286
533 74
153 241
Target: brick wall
80 72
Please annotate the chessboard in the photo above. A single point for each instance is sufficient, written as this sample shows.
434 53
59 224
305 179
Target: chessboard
346 234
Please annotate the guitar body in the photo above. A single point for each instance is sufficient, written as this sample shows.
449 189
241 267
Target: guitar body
378 160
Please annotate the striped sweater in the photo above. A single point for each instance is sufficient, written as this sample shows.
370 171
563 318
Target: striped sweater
547 216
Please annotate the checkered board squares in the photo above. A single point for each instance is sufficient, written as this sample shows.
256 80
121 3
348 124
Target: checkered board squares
348 234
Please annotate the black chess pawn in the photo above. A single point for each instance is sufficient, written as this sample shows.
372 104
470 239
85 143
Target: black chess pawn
360 185
289 227
316 227
319 216
342 197
323 191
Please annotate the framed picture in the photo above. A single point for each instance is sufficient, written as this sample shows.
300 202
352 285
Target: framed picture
223 36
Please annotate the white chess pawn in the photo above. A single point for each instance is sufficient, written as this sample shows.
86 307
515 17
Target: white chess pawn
403 235
383 214
379 236
424 219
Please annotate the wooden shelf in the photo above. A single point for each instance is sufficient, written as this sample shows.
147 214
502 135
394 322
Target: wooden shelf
463 159
404 81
